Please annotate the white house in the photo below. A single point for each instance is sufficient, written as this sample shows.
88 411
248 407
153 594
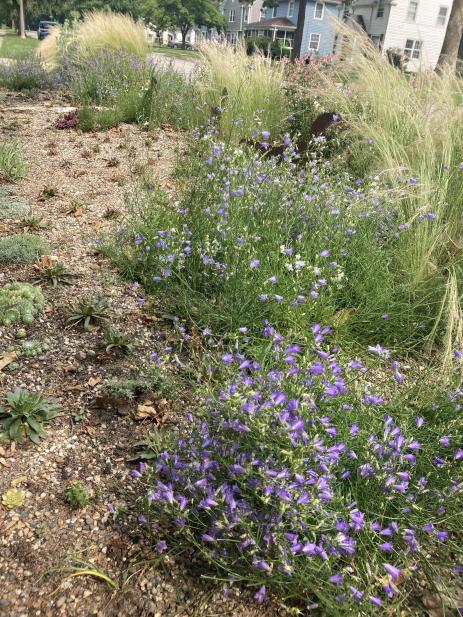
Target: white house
417 27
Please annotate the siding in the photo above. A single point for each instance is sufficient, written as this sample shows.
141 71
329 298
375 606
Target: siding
424 29
326 27
376 26
235 5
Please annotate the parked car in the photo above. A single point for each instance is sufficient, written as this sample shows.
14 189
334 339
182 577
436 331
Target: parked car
179 45
44 29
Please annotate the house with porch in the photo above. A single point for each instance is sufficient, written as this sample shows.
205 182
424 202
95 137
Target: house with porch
279 23
416 27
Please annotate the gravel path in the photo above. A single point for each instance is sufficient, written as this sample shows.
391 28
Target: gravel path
87 442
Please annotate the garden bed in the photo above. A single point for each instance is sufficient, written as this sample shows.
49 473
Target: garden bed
87 442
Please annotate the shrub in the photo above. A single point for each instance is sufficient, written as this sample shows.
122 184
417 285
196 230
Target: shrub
103 77
261 43
254 240
22 249
302 481
25 74
12 166
265 45
20 302
25 415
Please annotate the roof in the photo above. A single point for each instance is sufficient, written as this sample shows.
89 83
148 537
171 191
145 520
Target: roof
282 23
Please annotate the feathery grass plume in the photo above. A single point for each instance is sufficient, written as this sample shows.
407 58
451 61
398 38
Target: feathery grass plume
103 30
99 31
254 87
413 125
48 48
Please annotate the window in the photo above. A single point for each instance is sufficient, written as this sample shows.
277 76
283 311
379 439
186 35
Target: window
442 15
412 10
314 41
263 14
231 16
319 10
290 8
245 14
380 10
274 11
413 49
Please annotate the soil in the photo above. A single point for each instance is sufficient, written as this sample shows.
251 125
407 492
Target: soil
85 177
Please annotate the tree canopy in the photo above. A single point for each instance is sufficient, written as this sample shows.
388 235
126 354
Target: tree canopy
184 14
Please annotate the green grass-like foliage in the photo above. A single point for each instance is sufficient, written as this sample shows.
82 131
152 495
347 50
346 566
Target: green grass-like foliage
25 73
22 249
25 414
20 302
14 46
76 495
12 166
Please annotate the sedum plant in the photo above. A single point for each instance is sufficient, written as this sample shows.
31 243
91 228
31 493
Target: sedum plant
20 302
25 414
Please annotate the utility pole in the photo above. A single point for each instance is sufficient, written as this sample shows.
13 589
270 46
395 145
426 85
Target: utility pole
298 36
22 24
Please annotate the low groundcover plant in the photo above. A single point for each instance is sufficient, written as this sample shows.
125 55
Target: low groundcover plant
304 481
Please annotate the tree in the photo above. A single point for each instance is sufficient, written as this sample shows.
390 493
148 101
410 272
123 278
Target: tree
184 14
449 54
22 23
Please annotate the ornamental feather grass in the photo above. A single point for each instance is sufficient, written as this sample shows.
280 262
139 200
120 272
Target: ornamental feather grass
409 125
99 31
243 90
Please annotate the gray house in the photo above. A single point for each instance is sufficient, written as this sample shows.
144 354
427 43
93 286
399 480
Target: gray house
239 14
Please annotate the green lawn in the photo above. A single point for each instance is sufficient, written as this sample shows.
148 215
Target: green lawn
175 53
12 46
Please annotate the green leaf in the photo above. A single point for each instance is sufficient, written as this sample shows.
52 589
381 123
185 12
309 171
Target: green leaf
15 430
34 437
35 426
